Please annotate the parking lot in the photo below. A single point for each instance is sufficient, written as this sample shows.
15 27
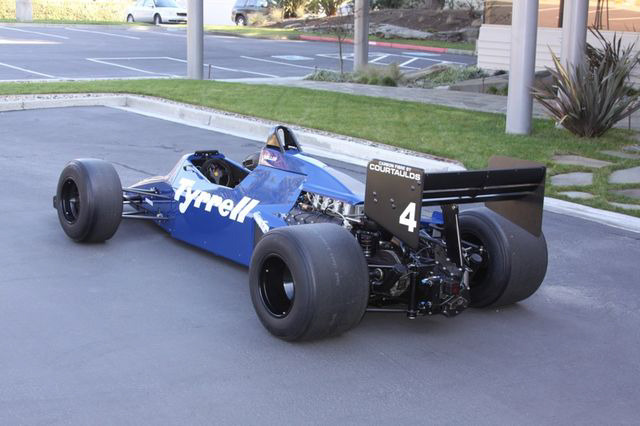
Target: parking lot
145 328
48 52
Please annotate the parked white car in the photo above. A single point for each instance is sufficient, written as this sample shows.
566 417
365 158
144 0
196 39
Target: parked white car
157 11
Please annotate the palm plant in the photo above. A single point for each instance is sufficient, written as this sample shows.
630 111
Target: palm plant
590 98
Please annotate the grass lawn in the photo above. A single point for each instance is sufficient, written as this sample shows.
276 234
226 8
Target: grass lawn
470 137
290 33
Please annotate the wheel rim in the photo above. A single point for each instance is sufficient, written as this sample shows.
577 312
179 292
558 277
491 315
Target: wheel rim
277 288
157 20
70 200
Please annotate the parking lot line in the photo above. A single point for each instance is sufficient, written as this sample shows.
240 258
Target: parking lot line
103 33
35 32
283 63
26 70
104 62
225 69
405 63
373 61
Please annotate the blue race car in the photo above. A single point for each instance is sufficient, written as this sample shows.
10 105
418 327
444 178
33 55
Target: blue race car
321 247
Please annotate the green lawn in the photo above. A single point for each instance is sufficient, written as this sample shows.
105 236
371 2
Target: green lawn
290 33
470 137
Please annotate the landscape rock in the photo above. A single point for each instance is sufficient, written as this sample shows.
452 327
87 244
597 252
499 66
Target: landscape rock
394 31
482 84
631 193
621 154
627 206
572 179
578 195
631 175
577 160
425 72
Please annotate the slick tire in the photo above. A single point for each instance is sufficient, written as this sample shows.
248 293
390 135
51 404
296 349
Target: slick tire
308 281
515 263
89 200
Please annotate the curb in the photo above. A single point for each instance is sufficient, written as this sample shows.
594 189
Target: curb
327 145
358 152
350 41
403 46
604 217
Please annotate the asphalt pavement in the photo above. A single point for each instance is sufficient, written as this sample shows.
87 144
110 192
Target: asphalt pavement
146 330
70 52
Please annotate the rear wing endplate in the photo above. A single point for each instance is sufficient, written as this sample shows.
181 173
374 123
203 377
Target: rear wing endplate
395 194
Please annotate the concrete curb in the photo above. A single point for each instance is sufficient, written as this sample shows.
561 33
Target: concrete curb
617 220
403 46
327 145
351 151
350 41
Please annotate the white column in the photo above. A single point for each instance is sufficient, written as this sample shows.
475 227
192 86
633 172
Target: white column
195 38
361 35
24 11
524 31
574 32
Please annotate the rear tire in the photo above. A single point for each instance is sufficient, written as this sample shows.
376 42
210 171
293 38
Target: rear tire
130 18
515 264
308 281
241 21
89 200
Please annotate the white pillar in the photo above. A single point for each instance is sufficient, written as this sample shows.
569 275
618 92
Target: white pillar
195 38
574 32
361 35
24 11
524 31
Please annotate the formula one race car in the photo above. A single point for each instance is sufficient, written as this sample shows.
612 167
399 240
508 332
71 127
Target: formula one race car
322 248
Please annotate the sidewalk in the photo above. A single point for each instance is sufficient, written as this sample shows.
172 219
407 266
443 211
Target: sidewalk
450 98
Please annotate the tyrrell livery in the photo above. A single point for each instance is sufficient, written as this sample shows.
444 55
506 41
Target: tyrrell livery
321 247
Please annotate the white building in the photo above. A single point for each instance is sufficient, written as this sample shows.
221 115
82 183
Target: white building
612 16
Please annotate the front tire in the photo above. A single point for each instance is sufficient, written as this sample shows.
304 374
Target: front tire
89 200
241 21
157 19
130 18
308 281
514 263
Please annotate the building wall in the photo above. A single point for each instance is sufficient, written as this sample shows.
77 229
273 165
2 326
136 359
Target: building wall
610 15
494 43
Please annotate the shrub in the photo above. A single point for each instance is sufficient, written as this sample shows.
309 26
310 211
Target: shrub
70 10
388 4
292 8
452 74
590 98
276 14
7 9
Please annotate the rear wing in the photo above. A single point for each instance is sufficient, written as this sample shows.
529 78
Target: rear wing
395 194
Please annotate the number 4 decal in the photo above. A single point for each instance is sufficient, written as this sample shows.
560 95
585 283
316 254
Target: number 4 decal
408 217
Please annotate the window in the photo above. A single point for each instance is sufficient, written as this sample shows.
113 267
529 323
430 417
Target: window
614 15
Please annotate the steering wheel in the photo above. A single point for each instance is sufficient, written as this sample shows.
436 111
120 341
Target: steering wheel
217 171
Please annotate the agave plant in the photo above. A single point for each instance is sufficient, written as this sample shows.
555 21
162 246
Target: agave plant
590 98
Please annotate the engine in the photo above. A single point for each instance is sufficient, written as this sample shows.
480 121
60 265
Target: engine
418 282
